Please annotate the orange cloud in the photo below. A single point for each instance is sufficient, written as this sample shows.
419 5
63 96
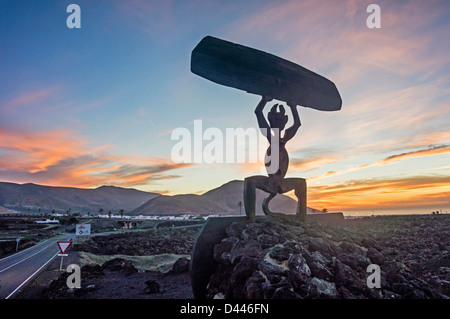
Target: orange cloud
35 151
432 150
312 163
59 159
429 151
411 192
327 174
425 139
27 98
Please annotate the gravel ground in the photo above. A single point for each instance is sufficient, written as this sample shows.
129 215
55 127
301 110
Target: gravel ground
274 259
413 253
122 281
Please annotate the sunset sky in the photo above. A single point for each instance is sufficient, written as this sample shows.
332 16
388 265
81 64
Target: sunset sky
97 105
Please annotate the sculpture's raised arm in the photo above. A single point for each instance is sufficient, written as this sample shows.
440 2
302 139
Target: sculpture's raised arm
290 132
262 122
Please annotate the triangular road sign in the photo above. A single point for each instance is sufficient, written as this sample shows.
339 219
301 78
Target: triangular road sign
63 246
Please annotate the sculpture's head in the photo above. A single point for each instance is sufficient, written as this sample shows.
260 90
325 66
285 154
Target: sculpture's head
277 119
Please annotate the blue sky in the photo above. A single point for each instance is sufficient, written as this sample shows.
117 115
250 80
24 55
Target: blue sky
97 105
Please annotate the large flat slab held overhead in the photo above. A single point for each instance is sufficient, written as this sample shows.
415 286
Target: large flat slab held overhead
262 73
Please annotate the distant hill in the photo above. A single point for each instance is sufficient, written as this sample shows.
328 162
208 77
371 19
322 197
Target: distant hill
47 198
222 200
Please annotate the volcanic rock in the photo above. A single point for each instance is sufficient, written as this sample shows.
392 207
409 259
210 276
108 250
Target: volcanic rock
274 259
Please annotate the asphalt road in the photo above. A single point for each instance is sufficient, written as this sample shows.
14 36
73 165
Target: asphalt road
17 270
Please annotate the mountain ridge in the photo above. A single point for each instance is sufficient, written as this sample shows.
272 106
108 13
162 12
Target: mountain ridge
223 200
226 199
30 196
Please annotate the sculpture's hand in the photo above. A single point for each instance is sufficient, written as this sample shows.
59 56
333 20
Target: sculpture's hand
262 103
293 108
266 98
292 105
262 123
290 132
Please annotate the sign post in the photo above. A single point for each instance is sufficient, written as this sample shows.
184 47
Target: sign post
63 246
17 244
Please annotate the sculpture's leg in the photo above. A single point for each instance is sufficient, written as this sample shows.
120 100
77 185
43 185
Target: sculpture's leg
299 185
250 185
265 204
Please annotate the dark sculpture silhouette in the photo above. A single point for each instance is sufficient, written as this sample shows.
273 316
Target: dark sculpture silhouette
263 74
275 183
